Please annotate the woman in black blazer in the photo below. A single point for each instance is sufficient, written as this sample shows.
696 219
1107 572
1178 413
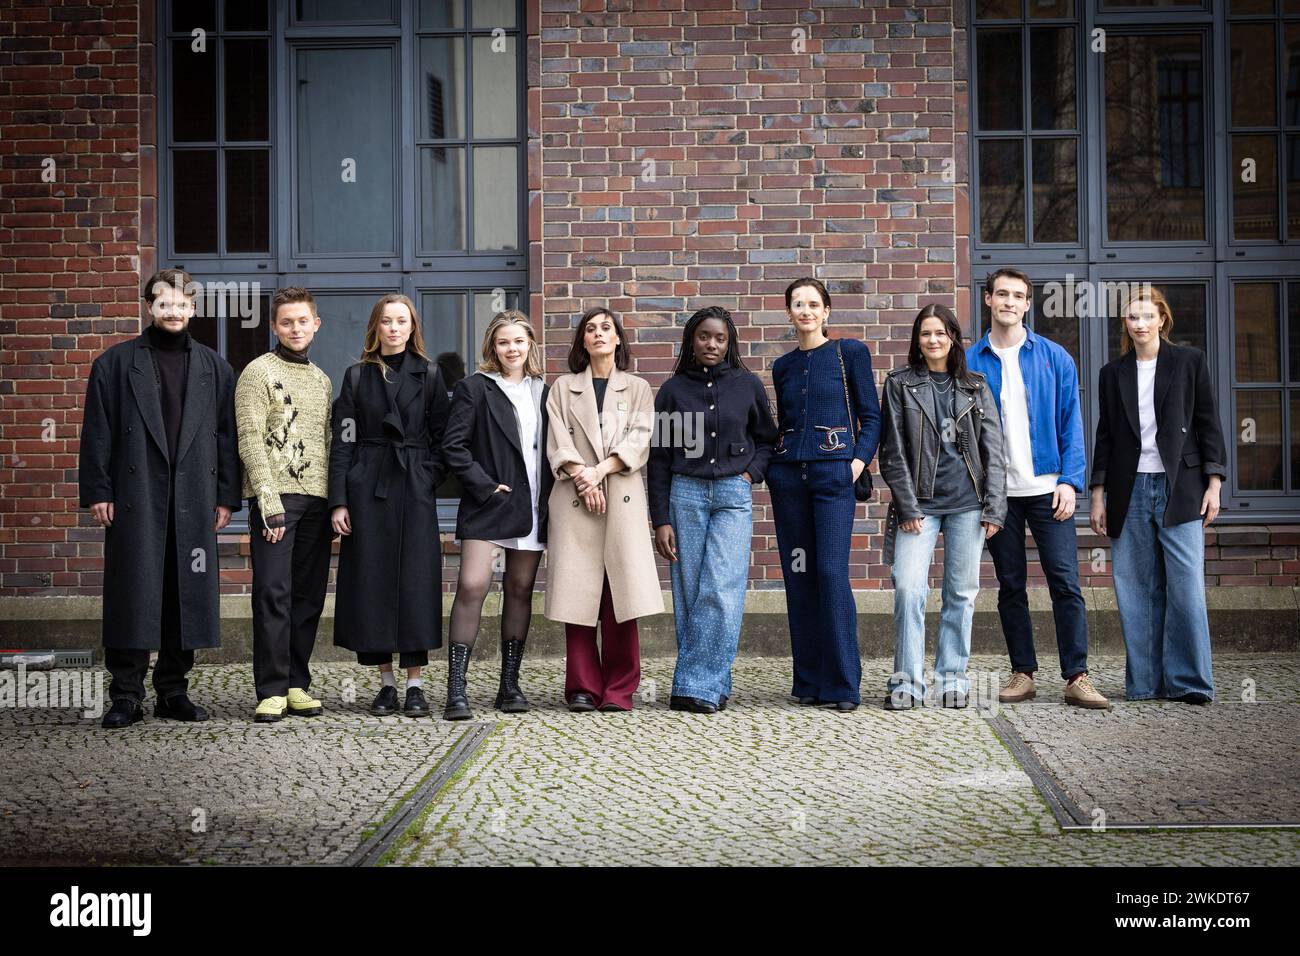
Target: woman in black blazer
495 443
1157 467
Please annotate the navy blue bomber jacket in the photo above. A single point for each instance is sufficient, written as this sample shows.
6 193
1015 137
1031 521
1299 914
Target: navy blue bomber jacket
730 430
812 413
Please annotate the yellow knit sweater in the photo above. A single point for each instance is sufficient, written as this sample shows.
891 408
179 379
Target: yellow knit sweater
283 413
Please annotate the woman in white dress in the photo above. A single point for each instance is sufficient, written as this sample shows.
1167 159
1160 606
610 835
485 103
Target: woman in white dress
494 442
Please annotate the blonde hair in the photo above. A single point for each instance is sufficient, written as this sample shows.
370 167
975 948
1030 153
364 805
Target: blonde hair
370 349
1146 293
490 363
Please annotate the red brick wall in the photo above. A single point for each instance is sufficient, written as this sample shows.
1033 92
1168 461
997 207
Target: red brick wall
70 250
770 164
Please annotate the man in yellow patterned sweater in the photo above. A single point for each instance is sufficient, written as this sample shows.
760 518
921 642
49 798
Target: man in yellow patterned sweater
282 406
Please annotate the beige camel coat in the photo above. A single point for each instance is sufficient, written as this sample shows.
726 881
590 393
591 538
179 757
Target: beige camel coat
582 547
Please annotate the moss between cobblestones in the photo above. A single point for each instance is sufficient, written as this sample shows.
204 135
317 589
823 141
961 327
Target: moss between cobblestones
415 835
371 829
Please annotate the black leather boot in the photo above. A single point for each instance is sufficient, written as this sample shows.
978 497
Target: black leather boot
510 699
457 701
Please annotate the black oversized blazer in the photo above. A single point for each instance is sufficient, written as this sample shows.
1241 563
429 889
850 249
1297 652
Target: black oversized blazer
481 445
1188 435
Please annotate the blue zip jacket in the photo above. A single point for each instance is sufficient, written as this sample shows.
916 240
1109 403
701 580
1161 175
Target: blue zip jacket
1052 384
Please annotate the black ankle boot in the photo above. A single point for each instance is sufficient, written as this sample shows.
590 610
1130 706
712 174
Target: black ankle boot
510 699
457 701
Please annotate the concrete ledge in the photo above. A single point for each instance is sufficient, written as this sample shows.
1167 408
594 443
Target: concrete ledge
1241 619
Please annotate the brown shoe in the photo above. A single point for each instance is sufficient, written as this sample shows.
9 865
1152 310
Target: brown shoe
1081 693
1020 688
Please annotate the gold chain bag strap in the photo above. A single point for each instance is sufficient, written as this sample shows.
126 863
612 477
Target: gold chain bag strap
861 487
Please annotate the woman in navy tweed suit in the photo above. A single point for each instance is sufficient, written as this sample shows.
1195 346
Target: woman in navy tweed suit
822 447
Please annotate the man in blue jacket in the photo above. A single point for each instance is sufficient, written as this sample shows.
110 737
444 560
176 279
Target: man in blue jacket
1036 387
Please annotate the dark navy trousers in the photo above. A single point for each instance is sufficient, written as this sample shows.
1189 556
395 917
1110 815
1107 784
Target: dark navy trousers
812 504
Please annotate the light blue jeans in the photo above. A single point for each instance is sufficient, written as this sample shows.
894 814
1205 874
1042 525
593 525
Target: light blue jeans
963 544
713 523
1159 577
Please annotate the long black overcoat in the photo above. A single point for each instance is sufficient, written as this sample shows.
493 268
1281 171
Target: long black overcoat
386 463
124 459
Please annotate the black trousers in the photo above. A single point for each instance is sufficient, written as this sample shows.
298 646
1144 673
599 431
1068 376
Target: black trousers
289 581
127 668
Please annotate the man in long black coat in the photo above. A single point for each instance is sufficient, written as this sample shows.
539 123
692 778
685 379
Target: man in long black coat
159 471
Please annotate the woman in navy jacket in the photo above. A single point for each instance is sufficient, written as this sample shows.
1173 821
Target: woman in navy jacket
1156 470
495 444
715 438
828 417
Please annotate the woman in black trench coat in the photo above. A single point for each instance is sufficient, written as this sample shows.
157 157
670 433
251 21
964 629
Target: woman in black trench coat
385 464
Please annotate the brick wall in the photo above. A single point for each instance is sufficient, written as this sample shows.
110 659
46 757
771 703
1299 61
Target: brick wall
787 139
770 162
71 109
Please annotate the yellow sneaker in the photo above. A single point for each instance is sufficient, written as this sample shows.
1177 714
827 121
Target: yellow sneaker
303 704
269 710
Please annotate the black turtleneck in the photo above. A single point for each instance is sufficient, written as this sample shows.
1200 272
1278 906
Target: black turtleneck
393 361
171 356
289 355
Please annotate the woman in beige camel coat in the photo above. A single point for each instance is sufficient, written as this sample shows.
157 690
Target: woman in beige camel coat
600 561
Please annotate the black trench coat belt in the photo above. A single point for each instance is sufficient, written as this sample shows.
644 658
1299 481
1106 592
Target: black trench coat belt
397 458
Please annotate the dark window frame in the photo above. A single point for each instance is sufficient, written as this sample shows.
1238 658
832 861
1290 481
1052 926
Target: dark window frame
1218 262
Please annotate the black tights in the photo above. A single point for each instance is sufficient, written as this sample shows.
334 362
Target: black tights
472 587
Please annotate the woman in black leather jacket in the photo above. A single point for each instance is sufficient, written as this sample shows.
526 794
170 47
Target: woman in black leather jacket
941 455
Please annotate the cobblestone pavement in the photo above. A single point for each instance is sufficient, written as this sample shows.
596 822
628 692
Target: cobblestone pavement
304 790
765 782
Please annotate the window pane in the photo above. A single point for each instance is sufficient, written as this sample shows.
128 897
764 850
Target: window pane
194 95
1051 8
1291 58
493 13
331 11
247 90
1254 187
343 317
441 13
1155 139
1186 304
1258 428
442 79
1293 187
496 198
1002 191
442 198
1056 190
1054 316
345 144
442 322
247 15
1125 4
194 200
1052 78
1295 441
248 200
245 341
1251 6
1252 62
1293 329
494 88
1258 331
484 309
999 85
998 9
190 14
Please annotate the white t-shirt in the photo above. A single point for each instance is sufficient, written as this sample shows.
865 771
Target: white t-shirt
1149 461
1021 480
